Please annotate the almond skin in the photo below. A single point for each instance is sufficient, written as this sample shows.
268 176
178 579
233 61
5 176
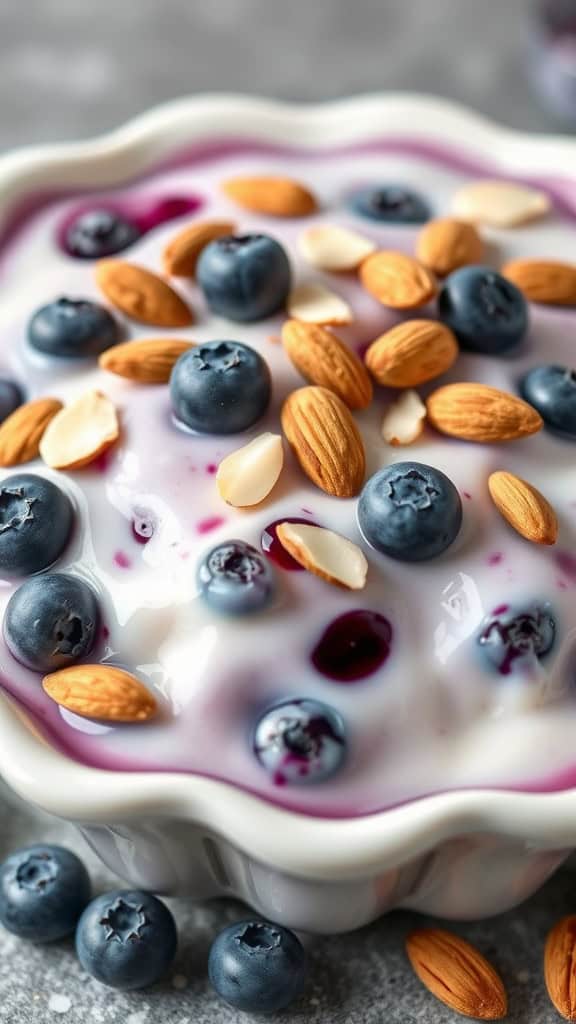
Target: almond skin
141 295
325 440
446 244
397 280
147 361
560 966
547 281
457 974
477 412
273 196
103 692
412 353
21 432
181 254
524 507
325 360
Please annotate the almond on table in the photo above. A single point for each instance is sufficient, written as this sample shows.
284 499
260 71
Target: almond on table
324 359
559 966
412 353
142 295
397 280
274 196
146 360
457 974
550 282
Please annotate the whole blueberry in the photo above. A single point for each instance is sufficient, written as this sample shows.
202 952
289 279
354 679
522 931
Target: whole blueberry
126 939
43 891
51 621
257 967
244 277
10 397
36 520
410 511
74 328
300 742
234 578
552 391
221 387
487 313
391 204
100 232
515 637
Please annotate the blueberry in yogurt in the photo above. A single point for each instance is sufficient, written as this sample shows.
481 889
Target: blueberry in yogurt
43 891
94 234
235 579
487 313
10 398
244 277
36 520
51 621
73 328
552 392
511 638
390 204
300 742
221 387
257 967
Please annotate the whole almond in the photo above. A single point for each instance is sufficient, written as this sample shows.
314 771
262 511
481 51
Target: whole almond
273 196
141 295
103 692
457 974
412 353
325 440
524 507
323 359
181 254
446 243
477 412
397 280
547 281
21 432
560 966
147 360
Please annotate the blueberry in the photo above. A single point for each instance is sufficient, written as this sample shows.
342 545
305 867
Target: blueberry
552 391
244 277
10 398
235 578
51 621
300 742
97 233
487 313
257 967
74 328
126 939
391 204
36 520
221 387
43 891
410 511
514 637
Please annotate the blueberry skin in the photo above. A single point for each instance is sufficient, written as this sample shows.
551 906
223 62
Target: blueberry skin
487 313
552 391
36 520
73 329
244 277
126 939
515 637
300 742
10 398
235 579
257 967
51 621
97 233
222 387
43 891
389 204
410 511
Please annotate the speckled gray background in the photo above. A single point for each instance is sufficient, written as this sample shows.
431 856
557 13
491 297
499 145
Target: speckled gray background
69 68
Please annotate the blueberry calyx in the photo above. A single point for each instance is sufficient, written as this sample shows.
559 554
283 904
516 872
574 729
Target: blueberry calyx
15 508
124 921
36 873
259 937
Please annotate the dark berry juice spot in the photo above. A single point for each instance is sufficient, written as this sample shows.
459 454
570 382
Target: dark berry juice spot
274 550
354 646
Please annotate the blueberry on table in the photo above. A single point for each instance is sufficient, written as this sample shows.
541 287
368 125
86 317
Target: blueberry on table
126 939
487 313
514 637
36 520
244 277
410 511
552 392
390 204
221 387
234 578
51 621
97 233
10 398
257 967
43 891
300 742
73 328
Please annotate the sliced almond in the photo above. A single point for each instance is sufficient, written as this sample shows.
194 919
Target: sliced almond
246 476
477 412
323 359
147 360
142 295
330 247
325 440
20 433
80 432
102 692
412 353
500 204
404 420
524 507
445 244
547 281
457 974
316 304
397 280
560 966
270 195
181 254
326 554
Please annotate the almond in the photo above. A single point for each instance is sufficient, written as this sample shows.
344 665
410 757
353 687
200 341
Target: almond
141 295
147 360
316 304
446 243
325 440
247 475
332 248
80 432
273 196
397 280
21 432
524 507
101 691
477 412
412 353
181 254
457 974
404 419
548 281
323 359
560 966
501 204
325 554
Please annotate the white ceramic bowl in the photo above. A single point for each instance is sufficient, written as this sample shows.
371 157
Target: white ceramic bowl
462 854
